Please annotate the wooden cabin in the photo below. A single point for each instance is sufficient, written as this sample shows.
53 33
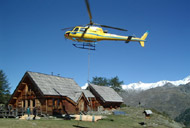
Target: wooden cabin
54 95
49 94
105 96
93 103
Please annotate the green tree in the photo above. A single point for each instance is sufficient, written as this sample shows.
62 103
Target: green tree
4 88
114 82
102 81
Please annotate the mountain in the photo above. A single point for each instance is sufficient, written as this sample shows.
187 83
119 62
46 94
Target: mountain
169 98
146 86
184 118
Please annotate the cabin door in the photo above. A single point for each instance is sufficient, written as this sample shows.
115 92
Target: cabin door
81 105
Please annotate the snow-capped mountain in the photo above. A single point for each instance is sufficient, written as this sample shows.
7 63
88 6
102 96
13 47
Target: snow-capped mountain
146 86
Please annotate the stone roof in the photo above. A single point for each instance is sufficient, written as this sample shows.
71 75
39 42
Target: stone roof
56 85
107 94
88 94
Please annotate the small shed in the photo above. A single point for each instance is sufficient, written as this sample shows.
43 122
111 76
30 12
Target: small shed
147 113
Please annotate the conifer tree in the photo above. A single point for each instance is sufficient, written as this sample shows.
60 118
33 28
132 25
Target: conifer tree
114 82
4 88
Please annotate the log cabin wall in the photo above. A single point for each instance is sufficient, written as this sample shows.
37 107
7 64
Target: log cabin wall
70 107
82 105
26 95
56 105
93 104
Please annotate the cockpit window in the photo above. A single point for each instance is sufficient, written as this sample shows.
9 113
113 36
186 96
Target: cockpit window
82 29
76 29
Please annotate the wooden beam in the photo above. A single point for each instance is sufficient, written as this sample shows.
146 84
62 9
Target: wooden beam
46 106
22 104
24 83
26 103
31 104
26 89
15 98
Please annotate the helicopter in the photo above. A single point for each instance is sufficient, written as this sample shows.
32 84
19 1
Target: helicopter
87 35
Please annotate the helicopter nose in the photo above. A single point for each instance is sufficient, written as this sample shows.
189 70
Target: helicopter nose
67 34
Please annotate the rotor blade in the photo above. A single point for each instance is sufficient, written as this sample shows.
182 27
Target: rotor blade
70 27
105 26
89 12
66 28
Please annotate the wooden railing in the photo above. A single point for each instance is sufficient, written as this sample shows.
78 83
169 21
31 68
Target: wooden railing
11 113
16 113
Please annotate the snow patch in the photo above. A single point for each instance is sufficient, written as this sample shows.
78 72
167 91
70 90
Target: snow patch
85 86
145 86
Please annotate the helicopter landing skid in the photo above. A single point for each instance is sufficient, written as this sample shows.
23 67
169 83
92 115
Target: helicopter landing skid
89 46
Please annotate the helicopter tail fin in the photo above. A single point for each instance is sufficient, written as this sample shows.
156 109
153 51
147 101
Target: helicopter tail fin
143 39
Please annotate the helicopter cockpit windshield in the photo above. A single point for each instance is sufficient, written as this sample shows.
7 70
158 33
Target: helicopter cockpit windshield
75 29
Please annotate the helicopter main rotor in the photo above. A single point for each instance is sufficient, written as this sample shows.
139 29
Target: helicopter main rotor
92 23
89 12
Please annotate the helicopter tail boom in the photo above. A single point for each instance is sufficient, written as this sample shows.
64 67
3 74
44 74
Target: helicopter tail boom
143 38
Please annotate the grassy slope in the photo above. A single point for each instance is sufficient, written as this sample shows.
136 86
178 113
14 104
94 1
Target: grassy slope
134 116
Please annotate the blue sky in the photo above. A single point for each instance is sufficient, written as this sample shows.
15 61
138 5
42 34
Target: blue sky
31 39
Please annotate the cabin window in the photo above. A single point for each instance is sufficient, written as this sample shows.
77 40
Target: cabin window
58 102
53 102
82 29
28 103
34 103
29 88
24 104
76 29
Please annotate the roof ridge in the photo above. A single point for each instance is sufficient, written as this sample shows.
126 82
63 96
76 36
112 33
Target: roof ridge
100 86
48 74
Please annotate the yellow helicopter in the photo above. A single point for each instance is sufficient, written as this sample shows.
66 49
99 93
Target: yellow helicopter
87 35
